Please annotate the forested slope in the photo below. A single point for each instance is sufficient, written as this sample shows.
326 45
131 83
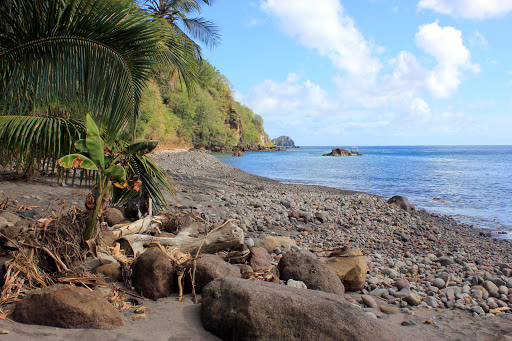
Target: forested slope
208 118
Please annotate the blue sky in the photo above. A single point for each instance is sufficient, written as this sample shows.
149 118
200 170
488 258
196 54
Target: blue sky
371 72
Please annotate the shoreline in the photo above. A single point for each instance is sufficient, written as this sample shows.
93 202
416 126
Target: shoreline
451 207
417 250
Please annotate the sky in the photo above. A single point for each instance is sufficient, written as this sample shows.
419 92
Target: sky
370 72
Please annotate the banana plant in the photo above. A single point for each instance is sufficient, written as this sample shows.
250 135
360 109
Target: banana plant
110 169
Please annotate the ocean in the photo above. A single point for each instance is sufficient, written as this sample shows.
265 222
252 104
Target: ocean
473 184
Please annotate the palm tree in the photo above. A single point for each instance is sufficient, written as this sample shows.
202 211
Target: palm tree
62 59
177 14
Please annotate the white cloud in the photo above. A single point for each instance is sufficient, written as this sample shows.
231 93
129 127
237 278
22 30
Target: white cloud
374 96
446 46
471 9
322 25
289 98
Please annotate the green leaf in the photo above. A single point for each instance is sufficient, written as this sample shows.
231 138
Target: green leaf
143 146
116 173
77 161
80 145
94 143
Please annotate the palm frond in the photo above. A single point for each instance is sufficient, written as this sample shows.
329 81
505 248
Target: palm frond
203 30
101 51
37 141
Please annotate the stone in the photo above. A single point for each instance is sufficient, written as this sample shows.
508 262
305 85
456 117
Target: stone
503 290
111 272
490 286
270 243
439 283
210 267
10 217
431 302
241 309
369 301
260 259
412 298
24 223
478 310
249 242
373 280
154 274
389 309
306 267
484 307
321 216
351 268
401 202
409 322
402 283
66 306
286 203
296 284
446 260
113 216
379 292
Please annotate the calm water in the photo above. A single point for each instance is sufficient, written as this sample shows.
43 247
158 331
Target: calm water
471 183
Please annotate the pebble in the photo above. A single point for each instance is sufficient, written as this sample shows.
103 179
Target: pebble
431 302
369 301
402 283
439 283
412 298
409 322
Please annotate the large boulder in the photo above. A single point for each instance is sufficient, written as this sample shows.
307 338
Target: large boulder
401 202
260 259
351 268
66 306
308 268
210 267
241 309
270 243
154 276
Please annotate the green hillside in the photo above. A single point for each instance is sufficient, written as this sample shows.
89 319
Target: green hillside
208 118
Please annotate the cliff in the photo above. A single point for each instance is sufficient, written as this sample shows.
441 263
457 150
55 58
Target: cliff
283 141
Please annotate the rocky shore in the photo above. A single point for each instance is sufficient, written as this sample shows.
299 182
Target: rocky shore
411 273
419 263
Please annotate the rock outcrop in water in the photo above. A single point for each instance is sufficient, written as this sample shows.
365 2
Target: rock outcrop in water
343 152
283 141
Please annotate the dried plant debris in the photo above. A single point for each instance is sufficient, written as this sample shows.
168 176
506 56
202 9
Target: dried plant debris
47 253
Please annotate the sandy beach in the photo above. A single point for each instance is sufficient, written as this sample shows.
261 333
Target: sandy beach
459 274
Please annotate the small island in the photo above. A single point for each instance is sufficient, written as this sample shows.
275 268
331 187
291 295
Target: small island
283 141
344 152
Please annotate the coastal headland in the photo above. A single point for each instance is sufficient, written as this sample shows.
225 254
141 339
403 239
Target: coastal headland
428 276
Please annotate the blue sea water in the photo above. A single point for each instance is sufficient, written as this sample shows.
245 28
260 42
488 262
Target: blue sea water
471 183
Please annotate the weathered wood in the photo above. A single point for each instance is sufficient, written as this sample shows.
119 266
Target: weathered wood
228 237
146 224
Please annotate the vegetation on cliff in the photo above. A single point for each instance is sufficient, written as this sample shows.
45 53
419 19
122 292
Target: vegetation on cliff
210 117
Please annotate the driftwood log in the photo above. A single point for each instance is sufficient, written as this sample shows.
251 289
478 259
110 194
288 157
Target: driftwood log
228 237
